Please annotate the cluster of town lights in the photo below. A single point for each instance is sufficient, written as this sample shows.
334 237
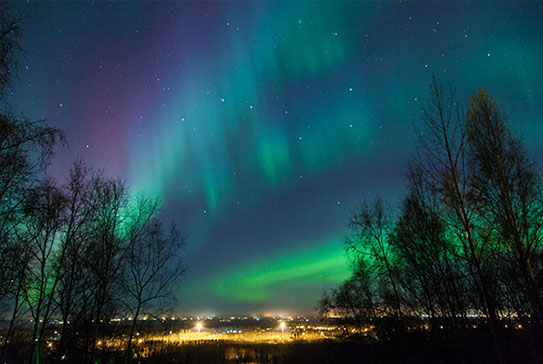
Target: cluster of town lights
282 325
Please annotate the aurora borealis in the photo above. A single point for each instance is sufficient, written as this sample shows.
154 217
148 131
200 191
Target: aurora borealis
261 125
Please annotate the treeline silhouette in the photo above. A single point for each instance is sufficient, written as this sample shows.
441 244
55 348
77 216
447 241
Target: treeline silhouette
464 248
77 253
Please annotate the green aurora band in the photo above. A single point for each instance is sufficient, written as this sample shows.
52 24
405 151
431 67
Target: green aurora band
199 133
261 125
261 281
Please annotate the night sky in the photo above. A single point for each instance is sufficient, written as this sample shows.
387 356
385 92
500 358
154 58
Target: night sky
261 126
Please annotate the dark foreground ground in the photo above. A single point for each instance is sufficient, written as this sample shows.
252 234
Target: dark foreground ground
414 346
411 348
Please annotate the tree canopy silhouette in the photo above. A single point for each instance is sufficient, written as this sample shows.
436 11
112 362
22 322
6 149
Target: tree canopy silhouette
465 242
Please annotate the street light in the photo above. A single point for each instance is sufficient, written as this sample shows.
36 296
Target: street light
282 327
199 327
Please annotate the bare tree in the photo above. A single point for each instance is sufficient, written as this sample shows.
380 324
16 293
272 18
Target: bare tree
445 162
357 297
16 258
73 295
10 46
153 265
428 257
42 225
105 252
371 226
25 150
510 191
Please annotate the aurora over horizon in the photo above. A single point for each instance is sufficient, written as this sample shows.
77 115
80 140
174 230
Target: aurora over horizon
261 126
